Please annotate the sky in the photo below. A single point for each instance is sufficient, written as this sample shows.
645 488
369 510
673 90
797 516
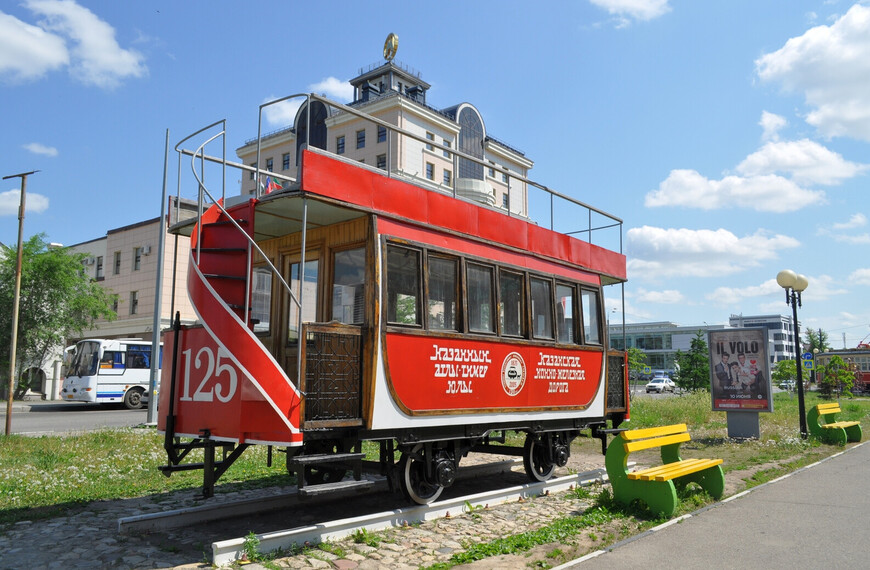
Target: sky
732 137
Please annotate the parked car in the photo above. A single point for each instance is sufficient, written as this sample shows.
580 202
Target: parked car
787 385
660 384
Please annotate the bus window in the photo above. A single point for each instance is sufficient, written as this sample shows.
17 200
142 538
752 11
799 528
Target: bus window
480 305
442 293
510 304
564 313
591 328
112 359
542 308
309 297
138 356
348 287
403 286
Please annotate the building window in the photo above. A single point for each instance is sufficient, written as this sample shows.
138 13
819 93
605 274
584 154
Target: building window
134 302
382 161
504 201
269 164
99 271
116 267
253 165
430 171
504 177
339 145
446 145
137 258
431 137
115 305
285 161
490 172
447 177
361 139
382 134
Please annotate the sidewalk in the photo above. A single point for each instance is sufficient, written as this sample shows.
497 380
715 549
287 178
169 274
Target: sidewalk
813 518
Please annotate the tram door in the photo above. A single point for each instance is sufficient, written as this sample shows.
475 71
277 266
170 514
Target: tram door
332 350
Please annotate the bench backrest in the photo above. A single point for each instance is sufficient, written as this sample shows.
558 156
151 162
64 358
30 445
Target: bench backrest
831 408
647 438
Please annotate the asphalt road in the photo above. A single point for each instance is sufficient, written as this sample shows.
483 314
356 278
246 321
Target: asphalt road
37 418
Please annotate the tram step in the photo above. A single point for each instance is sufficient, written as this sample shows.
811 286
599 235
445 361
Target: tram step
324 458
217 276
325 488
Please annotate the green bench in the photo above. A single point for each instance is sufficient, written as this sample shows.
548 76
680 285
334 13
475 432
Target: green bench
657 486
823 424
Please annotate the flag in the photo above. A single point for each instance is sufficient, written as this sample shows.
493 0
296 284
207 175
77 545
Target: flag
271 185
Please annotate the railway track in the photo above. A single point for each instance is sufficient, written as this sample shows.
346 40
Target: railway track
322 528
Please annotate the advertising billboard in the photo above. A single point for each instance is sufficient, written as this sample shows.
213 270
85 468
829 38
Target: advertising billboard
740 370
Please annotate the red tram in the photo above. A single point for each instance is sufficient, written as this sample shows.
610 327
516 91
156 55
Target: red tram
396 314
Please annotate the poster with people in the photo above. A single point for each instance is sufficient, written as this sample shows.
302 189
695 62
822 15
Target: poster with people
740 370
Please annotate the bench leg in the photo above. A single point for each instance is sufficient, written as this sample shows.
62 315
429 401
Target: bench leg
659 496
853 433
836 436
712 480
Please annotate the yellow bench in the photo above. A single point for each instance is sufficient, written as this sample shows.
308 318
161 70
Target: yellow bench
822 422
657 486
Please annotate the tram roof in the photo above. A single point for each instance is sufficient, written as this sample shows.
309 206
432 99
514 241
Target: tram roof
342 191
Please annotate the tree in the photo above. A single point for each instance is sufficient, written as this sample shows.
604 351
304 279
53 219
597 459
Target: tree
817 340
57 300
837 376
693 367
784 370
636 362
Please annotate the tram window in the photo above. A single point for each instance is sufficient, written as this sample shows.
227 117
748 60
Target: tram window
510 304
542 308
309 297
564 313
403 286
442 293
348 288
480 298
591 328
261 299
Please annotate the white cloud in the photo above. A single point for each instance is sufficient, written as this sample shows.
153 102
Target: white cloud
10 202
860 276
28 52
97 59
37 148
858 220
771 125
767 193
641 10
736 295
804 161
334 88
284 113
68 36
659 252
666 297
830 66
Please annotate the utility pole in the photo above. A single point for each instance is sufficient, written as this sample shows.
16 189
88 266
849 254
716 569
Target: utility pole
16 296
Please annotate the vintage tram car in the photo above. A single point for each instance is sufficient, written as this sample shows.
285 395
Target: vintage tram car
352 305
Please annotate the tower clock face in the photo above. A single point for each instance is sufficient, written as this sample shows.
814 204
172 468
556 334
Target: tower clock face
390 47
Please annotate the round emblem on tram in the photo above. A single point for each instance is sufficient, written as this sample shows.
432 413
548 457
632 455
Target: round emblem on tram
513 374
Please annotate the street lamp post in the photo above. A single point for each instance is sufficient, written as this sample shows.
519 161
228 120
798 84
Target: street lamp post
794 285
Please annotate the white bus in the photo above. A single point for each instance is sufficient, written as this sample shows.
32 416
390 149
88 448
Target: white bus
110 370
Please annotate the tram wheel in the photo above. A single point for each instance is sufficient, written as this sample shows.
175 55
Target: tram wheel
412 467
538 467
